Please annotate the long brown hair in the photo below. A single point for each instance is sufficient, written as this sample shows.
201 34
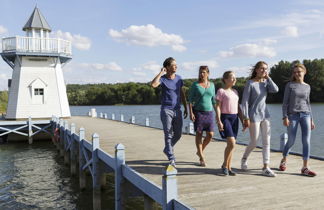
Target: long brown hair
298 65
255 67
203 68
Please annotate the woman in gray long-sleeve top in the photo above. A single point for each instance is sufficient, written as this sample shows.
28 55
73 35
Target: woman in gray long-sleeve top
256 114
296 110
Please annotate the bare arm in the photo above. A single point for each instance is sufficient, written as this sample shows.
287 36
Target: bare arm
156 81
240 115
184 102
218 114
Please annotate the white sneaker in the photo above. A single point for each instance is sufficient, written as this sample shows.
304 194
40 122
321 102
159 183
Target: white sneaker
172 162
268 172
244 164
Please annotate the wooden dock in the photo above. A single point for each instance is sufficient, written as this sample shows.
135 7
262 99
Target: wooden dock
205 187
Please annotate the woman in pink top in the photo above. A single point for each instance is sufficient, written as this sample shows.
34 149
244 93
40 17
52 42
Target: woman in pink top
227 114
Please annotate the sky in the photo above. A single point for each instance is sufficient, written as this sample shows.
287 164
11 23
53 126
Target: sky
128 40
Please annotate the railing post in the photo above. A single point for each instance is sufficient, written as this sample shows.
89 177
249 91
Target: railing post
73 151
101 115
93 112
66 143
113 116
122 118
283 141
147 122
97 173
191 128
30 131
82 161
53 122
132 121
120 160
169 187
105 116
57 134
61 127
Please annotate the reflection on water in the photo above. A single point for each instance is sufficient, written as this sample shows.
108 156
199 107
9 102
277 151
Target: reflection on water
34 177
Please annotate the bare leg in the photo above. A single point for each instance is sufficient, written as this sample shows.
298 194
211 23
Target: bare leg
209 136
305 163
229 152
199 145
202 146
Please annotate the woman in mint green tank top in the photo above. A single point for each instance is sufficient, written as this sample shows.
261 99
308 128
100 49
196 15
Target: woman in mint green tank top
201 105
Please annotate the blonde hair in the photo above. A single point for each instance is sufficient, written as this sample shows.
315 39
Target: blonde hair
298 65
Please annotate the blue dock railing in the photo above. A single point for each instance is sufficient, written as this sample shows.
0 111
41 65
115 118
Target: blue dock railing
91 158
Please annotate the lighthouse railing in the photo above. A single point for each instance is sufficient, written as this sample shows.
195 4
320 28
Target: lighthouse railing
36 45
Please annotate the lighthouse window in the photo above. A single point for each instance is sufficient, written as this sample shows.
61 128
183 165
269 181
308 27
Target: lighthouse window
38 91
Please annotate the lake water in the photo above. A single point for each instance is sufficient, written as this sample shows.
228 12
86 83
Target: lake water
34 176
153 113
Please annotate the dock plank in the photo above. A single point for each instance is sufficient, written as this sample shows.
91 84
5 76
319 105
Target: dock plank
205 187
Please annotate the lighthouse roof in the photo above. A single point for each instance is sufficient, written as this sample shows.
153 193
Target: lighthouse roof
37 20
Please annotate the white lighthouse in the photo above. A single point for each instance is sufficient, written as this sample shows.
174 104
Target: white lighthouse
37 87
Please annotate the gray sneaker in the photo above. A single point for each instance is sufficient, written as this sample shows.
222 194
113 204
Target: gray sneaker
225 171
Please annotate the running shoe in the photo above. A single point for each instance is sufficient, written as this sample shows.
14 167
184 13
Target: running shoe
244 164
305 171
268 172
225 171
282 166
231 173
172 162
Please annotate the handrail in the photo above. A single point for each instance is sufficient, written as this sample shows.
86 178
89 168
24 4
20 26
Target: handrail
36 45
95 156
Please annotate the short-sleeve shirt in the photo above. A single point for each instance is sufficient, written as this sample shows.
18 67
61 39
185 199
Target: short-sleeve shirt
229 100
171 88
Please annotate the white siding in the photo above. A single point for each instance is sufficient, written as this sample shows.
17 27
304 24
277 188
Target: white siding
55 100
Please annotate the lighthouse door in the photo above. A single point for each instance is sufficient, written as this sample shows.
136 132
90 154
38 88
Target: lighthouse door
38 96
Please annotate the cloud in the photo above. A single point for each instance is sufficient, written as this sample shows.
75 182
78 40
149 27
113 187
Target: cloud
84 73
148 35
112 66
148 68
305 18
240 71
195 65
139 73
249 50
290 31
152 66
268 41
3 30
78 41
3 81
